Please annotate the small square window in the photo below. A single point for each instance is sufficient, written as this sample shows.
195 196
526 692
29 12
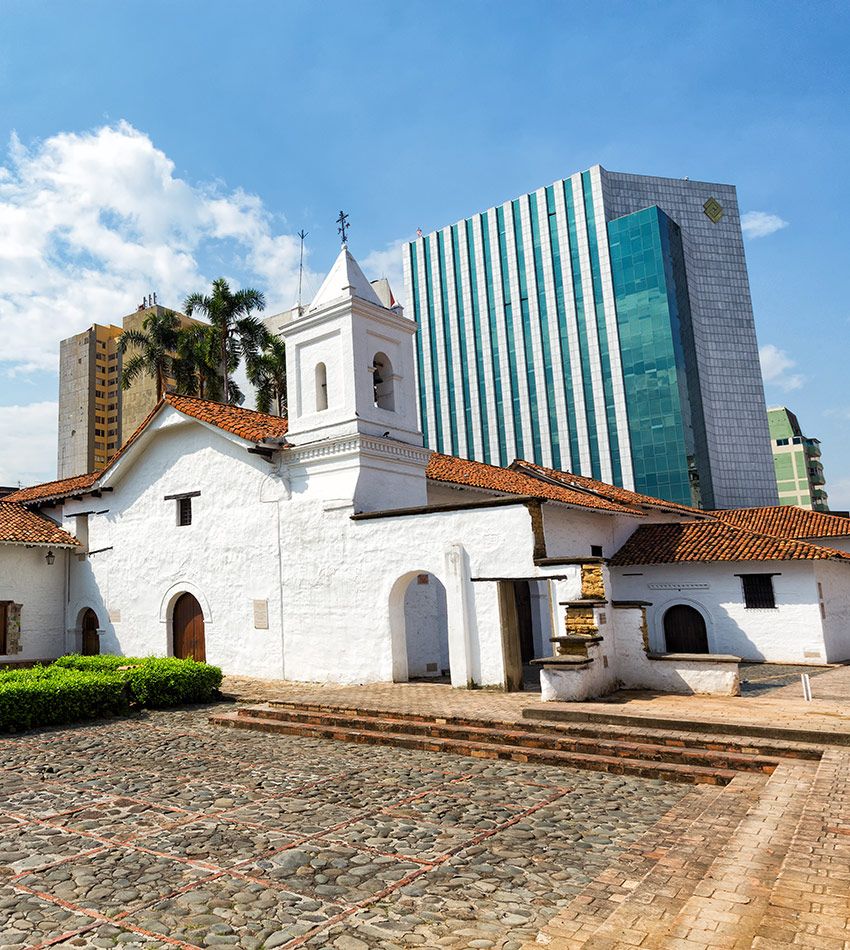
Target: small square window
596 550
758 591
184 511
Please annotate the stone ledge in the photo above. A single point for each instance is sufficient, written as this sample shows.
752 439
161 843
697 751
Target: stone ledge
631 603
567 662
695 657
585 602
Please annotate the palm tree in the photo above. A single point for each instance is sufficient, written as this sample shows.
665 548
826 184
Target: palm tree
155 342
236 333
267 373
195 369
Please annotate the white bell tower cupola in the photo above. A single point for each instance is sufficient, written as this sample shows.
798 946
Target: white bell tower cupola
350 363
351 386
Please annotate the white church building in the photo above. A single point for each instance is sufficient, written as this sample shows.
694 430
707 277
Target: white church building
333 547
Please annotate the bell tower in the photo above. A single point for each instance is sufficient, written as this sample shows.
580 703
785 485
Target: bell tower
352 394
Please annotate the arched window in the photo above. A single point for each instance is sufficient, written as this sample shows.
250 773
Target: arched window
321 387
383 382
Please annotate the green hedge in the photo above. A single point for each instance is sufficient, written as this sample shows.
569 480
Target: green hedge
87 687
41 697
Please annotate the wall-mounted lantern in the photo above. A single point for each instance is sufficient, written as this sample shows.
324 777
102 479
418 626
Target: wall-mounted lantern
50 557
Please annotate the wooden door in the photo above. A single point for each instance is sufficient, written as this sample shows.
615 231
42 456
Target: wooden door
684 630
91 641
188 627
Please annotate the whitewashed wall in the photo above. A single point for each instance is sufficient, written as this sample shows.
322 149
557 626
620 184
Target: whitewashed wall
834 580
27 579
227 557
791 633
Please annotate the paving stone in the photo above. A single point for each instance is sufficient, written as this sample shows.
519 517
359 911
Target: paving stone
122 818
219 843
29 847
109 936
26 920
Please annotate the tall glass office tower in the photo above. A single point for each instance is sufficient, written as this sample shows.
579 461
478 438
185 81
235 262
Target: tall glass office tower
600 325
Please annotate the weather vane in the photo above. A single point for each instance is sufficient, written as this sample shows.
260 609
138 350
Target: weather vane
342 221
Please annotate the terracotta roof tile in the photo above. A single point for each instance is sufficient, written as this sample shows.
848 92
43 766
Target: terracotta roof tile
456 471
19 525
706 541
245 423
787 521
613 493
56 489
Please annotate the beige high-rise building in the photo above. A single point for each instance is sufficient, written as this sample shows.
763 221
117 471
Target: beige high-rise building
95 416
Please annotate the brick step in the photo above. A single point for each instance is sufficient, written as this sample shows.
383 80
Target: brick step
506 734
784 734
712 742
669 771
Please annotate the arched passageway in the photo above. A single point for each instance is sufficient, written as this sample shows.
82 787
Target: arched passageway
188 629
426 629
90 640
684 630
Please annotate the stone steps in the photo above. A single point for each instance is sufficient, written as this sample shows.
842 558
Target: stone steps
815 738
716 742
505 734
502 741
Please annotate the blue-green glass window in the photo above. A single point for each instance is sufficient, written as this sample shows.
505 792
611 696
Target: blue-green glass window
464 355
648 281
602 331
417 316
545 342
435 374
581 330
447 342
494 339
472 276
527 339
507 314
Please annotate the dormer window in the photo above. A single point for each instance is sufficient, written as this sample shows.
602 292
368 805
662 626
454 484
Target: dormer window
383 382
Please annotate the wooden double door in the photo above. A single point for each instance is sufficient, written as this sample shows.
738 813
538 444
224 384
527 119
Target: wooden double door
684 630
188 629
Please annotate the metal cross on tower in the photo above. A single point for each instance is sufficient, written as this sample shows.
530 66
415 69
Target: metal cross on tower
342 221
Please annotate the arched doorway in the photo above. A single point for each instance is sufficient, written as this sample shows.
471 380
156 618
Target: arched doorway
90 640
426 628
188 629
684 630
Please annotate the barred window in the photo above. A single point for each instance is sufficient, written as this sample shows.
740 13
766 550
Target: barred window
758 591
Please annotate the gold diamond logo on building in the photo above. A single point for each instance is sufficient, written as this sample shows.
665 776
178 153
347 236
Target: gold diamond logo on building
713 209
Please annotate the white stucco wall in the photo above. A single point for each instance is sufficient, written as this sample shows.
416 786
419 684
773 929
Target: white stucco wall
227 557
834 580
27 579
791 633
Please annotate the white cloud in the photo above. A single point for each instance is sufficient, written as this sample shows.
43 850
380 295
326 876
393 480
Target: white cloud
758 224
28 437
389 263
91 222
775 368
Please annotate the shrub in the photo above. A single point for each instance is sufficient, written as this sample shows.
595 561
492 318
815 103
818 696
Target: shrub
42 696
77 687
169 682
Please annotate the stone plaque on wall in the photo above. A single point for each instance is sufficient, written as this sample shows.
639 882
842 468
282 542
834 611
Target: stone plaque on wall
261 615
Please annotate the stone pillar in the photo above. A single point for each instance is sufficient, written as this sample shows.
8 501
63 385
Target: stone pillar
459 614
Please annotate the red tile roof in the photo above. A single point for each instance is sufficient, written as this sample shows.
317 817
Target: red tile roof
19 525
57 489
456 471
245 423
613 493
788 521
706 541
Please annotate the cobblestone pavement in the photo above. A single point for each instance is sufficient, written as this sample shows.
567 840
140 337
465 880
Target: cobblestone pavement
760 678
162 831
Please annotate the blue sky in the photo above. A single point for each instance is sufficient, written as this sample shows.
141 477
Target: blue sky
155 145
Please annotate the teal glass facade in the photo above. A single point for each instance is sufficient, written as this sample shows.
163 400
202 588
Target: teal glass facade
650 287
558 328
